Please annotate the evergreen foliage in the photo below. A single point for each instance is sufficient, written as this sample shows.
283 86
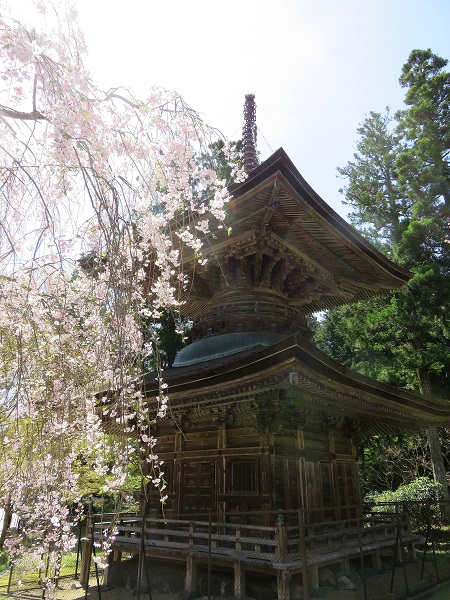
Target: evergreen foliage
170 330
217 159
398 185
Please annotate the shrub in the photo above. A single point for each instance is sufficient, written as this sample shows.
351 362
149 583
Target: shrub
421 489
421 498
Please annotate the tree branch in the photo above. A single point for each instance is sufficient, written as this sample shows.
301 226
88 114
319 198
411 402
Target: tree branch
10 113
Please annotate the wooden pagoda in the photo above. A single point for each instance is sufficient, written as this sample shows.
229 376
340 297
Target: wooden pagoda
260 420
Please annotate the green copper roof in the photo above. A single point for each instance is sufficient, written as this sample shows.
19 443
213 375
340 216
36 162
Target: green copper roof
217 346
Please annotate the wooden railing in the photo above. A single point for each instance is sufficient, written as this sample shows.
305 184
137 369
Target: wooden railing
289 542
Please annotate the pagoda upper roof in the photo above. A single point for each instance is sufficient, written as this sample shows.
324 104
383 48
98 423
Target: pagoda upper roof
275 216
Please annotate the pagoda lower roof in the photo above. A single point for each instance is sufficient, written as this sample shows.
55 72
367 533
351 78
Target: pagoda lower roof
311 381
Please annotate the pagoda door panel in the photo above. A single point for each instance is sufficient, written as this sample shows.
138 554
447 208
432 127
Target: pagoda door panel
347 484
198 487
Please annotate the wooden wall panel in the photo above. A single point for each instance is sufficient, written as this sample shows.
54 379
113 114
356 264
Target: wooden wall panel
196 441
317 441
342 444
242 438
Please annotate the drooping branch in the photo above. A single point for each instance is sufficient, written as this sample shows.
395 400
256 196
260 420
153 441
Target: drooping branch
108 177
19 115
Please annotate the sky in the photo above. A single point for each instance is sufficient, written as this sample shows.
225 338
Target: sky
317 67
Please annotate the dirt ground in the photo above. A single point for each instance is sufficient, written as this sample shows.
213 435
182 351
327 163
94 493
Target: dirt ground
167 587
377 588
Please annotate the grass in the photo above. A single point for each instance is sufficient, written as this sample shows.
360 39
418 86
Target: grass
4 560
30 576
441 595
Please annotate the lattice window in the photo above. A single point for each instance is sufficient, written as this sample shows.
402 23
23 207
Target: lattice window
243 476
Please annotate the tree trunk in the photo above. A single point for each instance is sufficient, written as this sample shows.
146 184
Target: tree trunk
437 460
6 520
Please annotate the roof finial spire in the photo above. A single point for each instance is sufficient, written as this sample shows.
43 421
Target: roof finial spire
250 157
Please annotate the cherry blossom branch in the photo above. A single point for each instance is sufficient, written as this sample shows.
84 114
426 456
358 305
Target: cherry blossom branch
99 202
10 113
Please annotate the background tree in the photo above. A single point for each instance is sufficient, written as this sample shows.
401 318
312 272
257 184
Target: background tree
223 158
398 189
165 336
373 191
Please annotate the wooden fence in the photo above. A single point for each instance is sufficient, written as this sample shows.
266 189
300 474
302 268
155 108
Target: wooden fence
295 543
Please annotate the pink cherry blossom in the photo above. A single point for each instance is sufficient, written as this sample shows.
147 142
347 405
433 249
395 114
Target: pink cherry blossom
94 184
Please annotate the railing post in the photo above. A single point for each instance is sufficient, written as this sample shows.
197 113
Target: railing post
281 552
87 552
360 523
395 556
209 556
402 558
398 552
79 553
237 539
426 507
141 566
281 538
433 547
191 533
11 568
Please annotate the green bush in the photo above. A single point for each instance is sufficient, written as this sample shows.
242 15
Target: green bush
421 489
421 498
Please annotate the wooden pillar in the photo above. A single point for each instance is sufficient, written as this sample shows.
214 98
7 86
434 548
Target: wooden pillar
286 485
303 488
239 581
281 549
345 566
377 563
356 484
117 555
300 445
313 576
177 473
178 441
87 553
86 562
191 575
107 571
221 436
283 577
333 471
220 470
283 585
300 438
302 551
412 553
